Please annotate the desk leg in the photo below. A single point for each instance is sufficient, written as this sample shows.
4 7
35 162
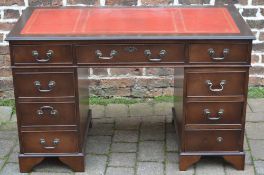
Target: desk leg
185 161
27 163
238 161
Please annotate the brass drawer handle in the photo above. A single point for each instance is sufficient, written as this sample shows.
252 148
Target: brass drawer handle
99 54
53 112
55 142
148 54
207 114
219 139
210 85
49 55
211 53
51 85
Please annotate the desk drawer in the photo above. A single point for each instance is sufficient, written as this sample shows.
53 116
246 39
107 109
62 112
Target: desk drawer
213 140
141 53
44 84
50 142
48 113
214 112
42 54
216 82
219 53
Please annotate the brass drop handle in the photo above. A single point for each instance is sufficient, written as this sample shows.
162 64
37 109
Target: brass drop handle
207 114
53 112
49 55
148 54
210 85
211 53
219 139
99 55
51 85
55 142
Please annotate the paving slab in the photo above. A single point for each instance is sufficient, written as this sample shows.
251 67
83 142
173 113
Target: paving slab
209 166
95 165
257 147
255 130
6 147
122 159
259 167
7 135
152 132
173 169
163 108
127 123
103 120
151 151
141 109
5 113
11 169
171 142
172 157
150 168
170 128
153 119
248 158
102 129
125 136
255 104
124 147
255 117
98 144
120 171
98 111
116 110
249 170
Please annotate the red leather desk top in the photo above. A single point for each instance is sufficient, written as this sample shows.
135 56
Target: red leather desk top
115 21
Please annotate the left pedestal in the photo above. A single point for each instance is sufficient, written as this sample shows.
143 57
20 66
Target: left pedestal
51 120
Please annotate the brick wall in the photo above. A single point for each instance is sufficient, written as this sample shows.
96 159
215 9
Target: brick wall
146 82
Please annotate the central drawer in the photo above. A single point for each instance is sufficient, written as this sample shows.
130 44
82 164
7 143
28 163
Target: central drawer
44 84
49 142
124 53
46 113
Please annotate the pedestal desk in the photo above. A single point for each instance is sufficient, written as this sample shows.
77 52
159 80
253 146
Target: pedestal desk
208 47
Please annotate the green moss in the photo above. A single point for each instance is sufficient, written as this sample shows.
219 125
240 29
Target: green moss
256 92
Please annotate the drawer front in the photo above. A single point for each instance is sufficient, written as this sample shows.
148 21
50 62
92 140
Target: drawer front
213 140
44 84
214 112
51 113
118 54
213 82
50 142
42 54
219 53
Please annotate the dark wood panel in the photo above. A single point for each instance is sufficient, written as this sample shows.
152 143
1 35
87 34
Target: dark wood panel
50 142
41 55
199 112
115 53
219 53
216 82
48 113
44 84
213 140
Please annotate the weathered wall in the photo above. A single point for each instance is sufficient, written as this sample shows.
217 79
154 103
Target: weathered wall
143 81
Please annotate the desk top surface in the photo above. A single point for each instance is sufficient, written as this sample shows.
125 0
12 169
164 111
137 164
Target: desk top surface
130 23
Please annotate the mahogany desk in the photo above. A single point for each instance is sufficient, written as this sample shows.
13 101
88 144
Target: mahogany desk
209 48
